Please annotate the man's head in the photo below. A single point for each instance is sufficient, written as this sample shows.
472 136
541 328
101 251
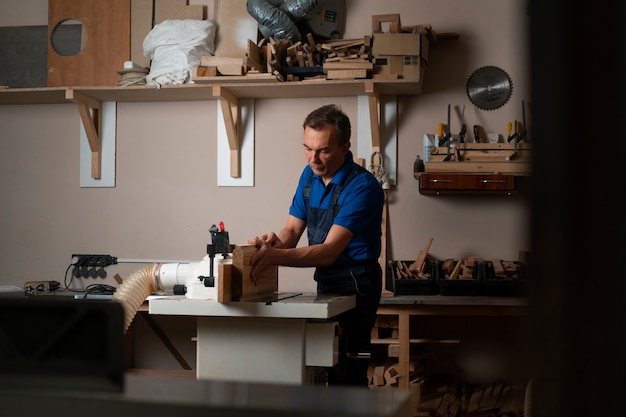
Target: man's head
330 114
326 140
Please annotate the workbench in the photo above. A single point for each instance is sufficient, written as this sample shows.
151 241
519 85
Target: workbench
406 306
185 397
271 340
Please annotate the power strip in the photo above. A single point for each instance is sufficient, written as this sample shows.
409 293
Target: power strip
91 265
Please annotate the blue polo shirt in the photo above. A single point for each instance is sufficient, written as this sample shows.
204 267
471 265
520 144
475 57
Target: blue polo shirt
361 203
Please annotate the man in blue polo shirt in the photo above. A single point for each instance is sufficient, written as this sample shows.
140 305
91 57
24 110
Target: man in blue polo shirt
340 204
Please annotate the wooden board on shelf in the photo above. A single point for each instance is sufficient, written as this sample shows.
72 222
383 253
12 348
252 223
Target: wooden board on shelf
103 24
503 158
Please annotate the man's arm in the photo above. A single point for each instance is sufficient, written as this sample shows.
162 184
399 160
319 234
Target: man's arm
307 256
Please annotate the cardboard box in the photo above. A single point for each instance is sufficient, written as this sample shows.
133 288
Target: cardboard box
402 54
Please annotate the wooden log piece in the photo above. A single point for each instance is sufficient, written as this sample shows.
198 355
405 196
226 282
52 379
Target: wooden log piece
242 286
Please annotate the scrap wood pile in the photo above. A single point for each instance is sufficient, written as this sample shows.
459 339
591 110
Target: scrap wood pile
285 60
461 399
417 269
387 372
459 269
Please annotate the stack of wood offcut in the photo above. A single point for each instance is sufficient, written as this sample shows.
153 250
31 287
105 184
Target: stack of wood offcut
386 374
285 60
464 268
464 399
348 59
417 269
459 269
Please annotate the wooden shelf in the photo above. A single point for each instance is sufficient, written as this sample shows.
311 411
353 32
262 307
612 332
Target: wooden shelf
44 95
227 91
205 91
415 341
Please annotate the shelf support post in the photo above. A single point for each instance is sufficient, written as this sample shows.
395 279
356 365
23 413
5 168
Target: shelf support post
230 111
90 114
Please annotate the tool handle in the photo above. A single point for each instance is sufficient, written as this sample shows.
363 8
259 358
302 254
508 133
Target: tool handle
462 133
476 134
440 130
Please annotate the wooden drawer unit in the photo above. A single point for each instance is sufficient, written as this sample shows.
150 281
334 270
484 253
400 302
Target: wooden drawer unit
452 183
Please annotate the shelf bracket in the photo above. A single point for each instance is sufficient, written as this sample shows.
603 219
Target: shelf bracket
90 111
373 98
230 110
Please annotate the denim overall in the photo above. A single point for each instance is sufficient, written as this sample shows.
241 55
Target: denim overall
346 277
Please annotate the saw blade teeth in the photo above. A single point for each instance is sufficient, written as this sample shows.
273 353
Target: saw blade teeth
489 87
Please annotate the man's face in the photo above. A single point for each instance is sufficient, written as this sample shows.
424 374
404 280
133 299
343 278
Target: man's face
323 153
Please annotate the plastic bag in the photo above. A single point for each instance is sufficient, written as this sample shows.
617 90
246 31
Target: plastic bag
175 47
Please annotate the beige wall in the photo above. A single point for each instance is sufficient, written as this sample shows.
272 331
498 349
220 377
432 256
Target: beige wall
166 196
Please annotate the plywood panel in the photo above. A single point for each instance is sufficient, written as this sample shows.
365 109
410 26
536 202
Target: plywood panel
106 47
141 24
177 10
234 27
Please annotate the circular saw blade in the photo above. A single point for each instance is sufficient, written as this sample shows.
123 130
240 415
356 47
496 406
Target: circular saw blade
489 88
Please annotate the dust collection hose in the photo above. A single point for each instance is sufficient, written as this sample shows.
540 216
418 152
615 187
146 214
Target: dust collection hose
134 291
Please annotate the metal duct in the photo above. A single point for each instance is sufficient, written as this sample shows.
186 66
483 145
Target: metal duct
277 18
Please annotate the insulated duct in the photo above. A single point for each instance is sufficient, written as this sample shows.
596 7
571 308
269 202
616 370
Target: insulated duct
164 277
277 18
134 291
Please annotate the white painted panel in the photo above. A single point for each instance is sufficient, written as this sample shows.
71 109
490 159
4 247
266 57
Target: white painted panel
251 349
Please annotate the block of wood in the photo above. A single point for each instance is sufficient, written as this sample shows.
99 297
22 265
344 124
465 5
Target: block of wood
242 287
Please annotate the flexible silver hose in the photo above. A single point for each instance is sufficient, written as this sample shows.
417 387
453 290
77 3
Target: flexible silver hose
277 18
134 291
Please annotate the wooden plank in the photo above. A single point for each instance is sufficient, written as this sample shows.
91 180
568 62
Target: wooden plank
177 10
104 24
235 28
346 74
266 284
420 262
348 64
140 26
224 65
511 168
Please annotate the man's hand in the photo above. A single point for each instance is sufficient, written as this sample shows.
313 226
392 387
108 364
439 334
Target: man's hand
261 259
270 239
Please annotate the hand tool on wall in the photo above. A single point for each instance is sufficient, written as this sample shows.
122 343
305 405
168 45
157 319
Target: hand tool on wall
516 138
448 138
522 132
476 134
440 137
511 134
461 114
461 140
